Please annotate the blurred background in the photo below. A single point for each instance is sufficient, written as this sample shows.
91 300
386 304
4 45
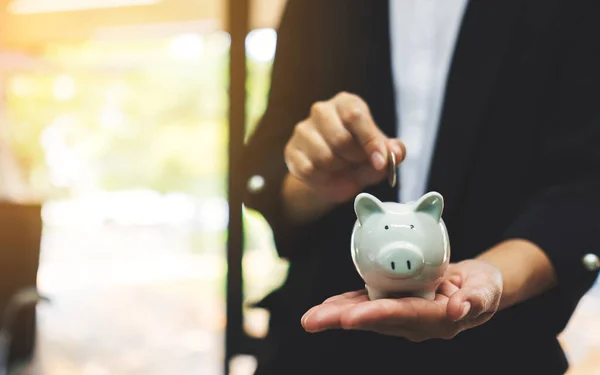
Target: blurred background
114 120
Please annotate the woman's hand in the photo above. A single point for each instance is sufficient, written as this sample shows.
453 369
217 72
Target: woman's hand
339 150
468 297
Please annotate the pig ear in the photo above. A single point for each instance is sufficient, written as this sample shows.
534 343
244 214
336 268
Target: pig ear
431 204
366 205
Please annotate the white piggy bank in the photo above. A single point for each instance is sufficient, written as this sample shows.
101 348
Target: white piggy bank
400 249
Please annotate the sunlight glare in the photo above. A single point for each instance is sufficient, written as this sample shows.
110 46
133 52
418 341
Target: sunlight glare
187 46
218 43
46 6
21 86
116 93
111 117
64 88
261 44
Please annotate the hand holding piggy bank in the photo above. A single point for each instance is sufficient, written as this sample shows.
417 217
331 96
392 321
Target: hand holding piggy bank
400 249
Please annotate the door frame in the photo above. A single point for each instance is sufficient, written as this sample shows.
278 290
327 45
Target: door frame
238 26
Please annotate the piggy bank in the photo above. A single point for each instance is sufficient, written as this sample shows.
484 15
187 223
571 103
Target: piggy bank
400 250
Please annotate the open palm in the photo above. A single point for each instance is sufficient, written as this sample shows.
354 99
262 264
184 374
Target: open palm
468 297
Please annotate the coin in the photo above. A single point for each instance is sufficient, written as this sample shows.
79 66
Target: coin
392 170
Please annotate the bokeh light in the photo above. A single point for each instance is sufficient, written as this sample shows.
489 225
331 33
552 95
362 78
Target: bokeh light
187 46
64 88
261 44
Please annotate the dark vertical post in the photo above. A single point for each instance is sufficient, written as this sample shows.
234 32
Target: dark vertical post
238 19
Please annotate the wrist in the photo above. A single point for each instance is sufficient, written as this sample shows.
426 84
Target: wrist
525 268
301 202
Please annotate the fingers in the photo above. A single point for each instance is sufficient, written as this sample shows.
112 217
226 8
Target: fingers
349 296
340 140
455 279
470 303
323 317
458 308
447 288
393 311
311 143
414 319
346 313
356 117
397 147
298 163
327 315
372 312
475 294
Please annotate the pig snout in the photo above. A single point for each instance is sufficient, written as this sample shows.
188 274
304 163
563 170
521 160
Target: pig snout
401 259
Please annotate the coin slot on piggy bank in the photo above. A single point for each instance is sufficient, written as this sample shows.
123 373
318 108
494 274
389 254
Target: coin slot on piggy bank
400 249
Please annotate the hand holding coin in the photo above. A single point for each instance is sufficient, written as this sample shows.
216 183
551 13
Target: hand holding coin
338 151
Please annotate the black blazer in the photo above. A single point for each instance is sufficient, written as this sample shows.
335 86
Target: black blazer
517 156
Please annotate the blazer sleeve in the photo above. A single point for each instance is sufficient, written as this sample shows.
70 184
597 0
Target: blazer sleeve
292 92
563 218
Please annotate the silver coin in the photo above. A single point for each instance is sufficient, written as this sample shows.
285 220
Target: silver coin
392 169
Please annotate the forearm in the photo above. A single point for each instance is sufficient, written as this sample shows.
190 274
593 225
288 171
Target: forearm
526 270
301 204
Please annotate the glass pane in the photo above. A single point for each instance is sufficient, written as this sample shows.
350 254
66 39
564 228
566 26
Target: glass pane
125 141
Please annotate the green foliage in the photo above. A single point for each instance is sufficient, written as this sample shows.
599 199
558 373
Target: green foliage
117 116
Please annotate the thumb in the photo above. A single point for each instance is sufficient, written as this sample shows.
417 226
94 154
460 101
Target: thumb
458 307
356 116
469 302
397 147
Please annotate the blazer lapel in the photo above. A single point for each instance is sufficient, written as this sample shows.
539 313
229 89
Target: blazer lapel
481 46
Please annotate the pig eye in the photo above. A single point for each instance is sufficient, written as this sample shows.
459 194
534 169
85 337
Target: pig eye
387 227
412 226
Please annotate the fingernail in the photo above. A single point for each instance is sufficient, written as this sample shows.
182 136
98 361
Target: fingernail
377 160
306 314
395 148
466 307
303 320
